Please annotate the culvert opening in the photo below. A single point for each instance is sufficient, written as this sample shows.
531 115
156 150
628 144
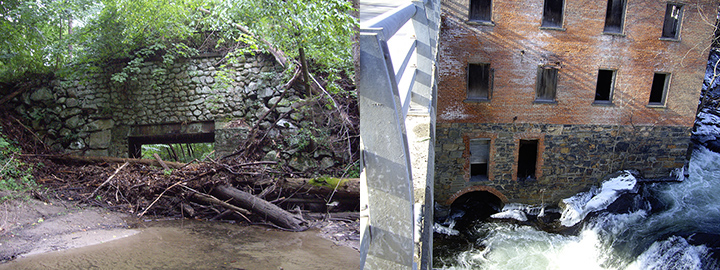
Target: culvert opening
173 147
474 206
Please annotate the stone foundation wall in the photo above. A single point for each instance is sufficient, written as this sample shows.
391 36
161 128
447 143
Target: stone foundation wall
571 158
93 115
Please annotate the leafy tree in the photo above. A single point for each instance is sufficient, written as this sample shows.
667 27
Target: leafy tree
41 36
33 34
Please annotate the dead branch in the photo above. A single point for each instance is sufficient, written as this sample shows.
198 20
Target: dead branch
108 180
13 94
274 213
159 160
95 159
212 200
31 132
347 187
158 198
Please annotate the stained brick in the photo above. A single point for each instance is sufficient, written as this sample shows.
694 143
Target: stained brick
582 141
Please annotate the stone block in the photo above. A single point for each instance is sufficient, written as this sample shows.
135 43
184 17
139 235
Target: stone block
100 124
99 139
97 152
42 94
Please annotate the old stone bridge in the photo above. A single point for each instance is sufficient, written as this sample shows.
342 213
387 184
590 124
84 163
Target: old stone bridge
190 101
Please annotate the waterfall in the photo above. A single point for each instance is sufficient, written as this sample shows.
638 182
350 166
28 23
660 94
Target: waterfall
664 226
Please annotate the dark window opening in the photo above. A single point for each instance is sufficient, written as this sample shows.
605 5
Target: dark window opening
480 10
479 81
614 16
671 27
527 159
604 88
479 156
659 87
546 84
552 13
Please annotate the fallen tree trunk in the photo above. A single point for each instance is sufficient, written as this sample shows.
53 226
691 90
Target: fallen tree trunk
334 216
348 187
274 213
92 159
212 200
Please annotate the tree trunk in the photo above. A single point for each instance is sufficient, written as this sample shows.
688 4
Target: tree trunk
93 159
306 73
275 214
350 187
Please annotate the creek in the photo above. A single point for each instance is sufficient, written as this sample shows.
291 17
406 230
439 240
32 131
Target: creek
622 225
191 244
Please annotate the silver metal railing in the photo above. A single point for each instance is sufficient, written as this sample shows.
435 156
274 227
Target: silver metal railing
386 96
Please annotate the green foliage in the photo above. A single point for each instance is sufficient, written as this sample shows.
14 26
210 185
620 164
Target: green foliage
327 181
323 27
308 138
35 34
353 170
15 175
178 152
40 36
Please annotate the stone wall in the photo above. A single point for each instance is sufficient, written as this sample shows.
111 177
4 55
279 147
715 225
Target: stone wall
571 157
92 115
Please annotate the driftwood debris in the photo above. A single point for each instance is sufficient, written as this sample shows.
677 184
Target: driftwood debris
108 180
274 213
162 163
214 189
94 159
348 188
211 199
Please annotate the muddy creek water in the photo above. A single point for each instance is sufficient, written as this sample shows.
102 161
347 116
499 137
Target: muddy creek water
187 244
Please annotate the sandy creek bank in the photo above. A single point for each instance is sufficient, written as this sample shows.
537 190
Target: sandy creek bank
62 235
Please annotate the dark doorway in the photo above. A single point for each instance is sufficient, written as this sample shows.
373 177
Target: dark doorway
527 159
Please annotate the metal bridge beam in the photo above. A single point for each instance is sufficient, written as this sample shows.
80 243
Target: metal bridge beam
396 230
388 241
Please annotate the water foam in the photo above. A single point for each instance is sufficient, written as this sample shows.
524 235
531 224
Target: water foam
580 205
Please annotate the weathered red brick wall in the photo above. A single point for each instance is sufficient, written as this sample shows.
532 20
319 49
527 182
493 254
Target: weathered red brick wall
579 142
515 46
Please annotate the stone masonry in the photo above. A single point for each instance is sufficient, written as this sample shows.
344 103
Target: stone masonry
575 156
93 115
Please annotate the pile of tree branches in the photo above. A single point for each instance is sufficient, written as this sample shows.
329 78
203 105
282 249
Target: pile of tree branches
253 192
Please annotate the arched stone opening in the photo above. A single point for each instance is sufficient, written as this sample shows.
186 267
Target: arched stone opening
485 189
474 204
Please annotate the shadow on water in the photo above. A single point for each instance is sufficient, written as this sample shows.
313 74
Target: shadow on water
466 212
188 244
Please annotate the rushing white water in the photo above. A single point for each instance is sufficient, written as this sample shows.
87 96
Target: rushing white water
578 206
681 231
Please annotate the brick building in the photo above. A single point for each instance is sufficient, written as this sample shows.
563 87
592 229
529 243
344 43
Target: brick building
540 99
